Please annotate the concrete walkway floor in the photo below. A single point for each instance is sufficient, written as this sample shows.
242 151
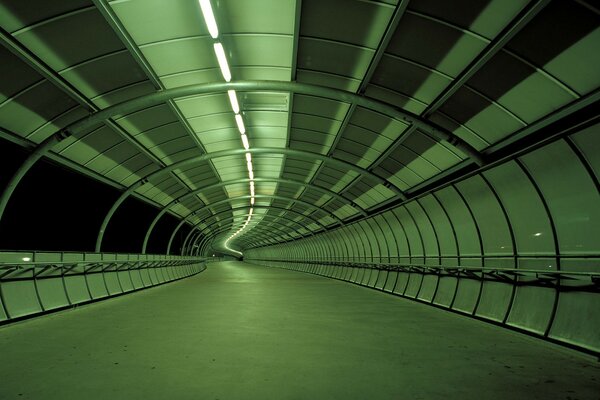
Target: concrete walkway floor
239 331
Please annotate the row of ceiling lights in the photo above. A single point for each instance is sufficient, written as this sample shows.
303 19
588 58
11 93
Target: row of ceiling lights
211 24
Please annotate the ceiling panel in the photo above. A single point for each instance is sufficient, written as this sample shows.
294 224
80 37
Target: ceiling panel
437 61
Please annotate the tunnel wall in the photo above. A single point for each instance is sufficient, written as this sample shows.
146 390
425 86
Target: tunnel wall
61 280
537 212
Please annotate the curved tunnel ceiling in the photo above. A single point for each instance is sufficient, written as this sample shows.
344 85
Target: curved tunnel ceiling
477 80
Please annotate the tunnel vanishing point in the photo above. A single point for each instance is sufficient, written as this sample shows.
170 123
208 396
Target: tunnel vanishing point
326 199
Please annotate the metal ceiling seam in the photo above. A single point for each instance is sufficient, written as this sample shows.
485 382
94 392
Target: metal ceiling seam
399 10
296 38
41 68
113 21
530 11
514 27
54 18
383 44
302 88
493 47
392 147
540 70
544 121
58 81
387 36
55 79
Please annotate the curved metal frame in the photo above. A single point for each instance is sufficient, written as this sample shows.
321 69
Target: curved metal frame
165 95
261 216
211 238
191 214
259 231
225 153
277 197
188 243
238 181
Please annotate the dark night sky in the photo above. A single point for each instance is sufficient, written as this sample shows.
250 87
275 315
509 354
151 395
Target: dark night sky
60 210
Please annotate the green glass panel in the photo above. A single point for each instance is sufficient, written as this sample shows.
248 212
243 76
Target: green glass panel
260 50
412 232
403 101
577 66
363 23
441 224
180 55
461 220
427 233
526 213
319 106
493 227
493 123
369 237
571 196
327 79
588 143
385 237
324 55
466 134
260 16
535 97
149 21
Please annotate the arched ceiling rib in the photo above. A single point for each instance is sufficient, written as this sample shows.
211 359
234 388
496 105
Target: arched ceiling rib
410 92
280 222
207 224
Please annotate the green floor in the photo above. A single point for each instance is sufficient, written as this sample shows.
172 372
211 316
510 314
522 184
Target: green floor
239 331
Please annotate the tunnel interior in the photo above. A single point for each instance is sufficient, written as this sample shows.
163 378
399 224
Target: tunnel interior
444 154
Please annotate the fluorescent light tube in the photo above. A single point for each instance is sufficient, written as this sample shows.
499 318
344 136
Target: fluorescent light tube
240 123
234 102
220 53
209 18
245 142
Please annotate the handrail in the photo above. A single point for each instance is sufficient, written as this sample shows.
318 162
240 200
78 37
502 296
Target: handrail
21 264
497 272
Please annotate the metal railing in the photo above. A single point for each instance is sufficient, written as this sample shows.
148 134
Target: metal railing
35 283
518 276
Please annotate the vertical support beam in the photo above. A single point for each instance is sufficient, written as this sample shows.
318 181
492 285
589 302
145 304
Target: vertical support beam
183 221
